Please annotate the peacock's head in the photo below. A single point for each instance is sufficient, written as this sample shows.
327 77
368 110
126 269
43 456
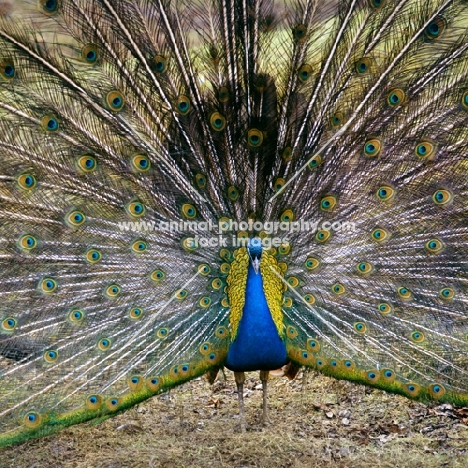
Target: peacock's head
255 252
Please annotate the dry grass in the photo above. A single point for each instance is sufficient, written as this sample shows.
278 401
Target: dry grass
315 423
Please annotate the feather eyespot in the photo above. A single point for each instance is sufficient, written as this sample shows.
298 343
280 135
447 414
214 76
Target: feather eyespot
287 216
376 4
434 246
372 148
314 162
304 73
385 308
385 193
48 285
75 218
397 97
284 248
139 246
104 344
204 269
388 375
162 333
313 345
293 281
205 302
135 382
278 184
336 120
328 203
299 33
9 324
158 275
89 54
159 64
183 104
254 138
112 403
442 197
32 419
76 316
405 293
224 268
435 28
464 100
188 210
417 336
153 383
26 181
309 298
7 70
115 101
136 313
360 327
93 402
425 150
225 302
447 294
216 284
363 65
49 6
412 389
112 291
312 263
141 163
372 376
221 332
200 180
233 193
86 163
223 94
51 356
364 268
206 348
380 235
93 256
286 154
135 209
27 243
436 390
338 289
50 124
181 294
322 236
291 332
217 122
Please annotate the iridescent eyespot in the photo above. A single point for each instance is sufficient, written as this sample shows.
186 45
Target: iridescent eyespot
287 302
153 383
313 345
49 6
312 263
436 390
425 150
372 147
336 120
162 333
442 197
32 419
322 236
135 209
363 65
293 281
434 246
435 28
48 285
380 235
224 268
200 180
364 268
223 95
75 218
385 308
159 64
278 184
104 344
417 336
315 162
115 101
216 284
141 163
309 298
397 97
284 249
93 402
360 327
376 4
190 244
181 294
139 246
89 54
51 356
76 316
412 389
299 33
188 211
135 382
50 123
183 104
93 256
221 332
26 181
287 216
204 269
233 193
385 193
347 365
388 375
372 375
217 122
447 294
254 138
9 324
464 100
225 302
86 163
304 72
136 313
291 332
112 403
338 289
7 70
27 242
328 203
112 291
206 348
205 302
224 224
286 154
405 293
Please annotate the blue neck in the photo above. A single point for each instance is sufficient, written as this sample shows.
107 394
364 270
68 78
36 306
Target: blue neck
257 345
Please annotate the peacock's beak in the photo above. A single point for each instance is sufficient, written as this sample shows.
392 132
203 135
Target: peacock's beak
256 265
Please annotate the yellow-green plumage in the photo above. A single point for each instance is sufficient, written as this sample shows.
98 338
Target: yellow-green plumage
118 118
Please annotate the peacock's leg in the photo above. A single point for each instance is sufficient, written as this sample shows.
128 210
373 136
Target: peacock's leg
264 379
239 377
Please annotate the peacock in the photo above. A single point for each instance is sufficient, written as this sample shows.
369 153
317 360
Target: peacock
250 184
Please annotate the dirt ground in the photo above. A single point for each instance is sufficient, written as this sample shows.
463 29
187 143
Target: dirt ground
315 422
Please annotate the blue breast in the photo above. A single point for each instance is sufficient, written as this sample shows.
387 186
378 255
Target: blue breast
257 345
